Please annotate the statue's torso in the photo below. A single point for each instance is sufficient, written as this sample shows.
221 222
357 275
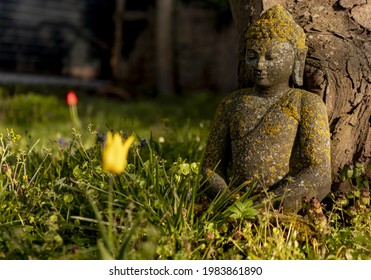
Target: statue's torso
264 136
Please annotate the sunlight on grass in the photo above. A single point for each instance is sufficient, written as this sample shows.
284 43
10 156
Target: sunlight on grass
57 201
45 117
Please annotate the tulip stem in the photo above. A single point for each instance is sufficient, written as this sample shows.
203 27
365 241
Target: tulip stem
110 214
74 116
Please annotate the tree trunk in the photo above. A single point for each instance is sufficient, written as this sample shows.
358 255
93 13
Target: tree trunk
337 68
164 46
116 57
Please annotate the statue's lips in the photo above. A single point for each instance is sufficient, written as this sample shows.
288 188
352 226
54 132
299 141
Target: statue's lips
261 75
258 72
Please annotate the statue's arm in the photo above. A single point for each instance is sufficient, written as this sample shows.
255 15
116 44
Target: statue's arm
215 161
314 180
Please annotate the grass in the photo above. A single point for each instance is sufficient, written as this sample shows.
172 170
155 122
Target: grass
56 202
43 114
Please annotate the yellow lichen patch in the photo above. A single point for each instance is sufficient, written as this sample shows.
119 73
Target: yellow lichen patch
291 111
272 129
275 24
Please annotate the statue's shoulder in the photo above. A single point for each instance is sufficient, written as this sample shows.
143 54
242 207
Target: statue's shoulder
310 102
308 97
236 96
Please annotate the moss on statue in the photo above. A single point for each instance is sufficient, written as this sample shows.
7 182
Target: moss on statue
276 24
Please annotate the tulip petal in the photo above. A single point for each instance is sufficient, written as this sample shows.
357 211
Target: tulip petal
115 153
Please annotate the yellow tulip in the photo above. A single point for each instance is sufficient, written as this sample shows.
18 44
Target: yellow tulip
115 153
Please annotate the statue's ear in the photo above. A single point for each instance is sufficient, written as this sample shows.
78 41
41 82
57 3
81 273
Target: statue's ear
299 66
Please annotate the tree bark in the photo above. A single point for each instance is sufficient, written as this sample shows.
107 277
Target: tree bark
337 67
165 46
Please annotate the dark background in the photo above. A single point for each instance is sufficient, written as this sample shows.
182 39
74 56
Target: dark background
74 38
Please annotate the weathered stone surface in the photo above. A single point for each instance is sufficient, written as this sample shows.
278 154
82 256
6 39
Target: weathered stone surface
271 134
361 14
350 3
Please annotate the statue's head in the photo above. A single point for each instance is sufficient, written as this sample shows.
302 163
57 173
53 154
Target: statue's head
276 31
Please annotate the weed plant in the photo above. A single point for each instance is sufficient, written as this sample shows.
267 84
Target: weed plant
56 202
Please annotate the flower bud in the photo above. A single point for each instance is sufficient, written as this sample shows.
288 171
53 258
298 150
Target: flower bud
365 197
316 205
209 236
71 98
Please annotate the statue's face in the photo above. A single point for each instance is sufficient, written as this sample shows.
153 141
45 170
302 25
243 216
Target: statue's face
270 63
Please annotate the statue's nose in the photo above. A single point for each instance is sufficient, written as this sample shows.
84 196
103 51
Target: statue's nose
261 63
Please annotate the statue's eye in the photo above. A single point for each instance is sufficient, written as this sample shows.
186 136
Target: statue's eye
271 56
251 55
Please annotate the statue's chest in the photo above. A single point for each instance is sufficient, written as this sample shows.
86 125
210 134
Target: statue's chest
265 120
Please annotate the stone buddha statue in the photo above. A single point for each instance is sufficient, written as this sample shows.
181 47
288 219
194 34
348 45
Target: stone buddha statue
272 133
